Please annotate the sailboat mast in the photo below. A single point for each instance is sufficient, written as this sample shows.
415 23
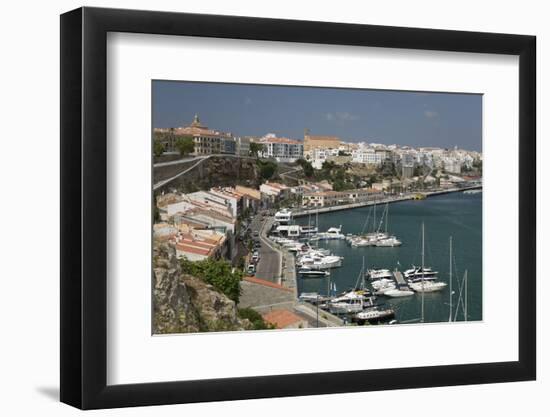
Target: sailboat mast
422 311
466 295
450 278
374 219
317 226
387 208
363 286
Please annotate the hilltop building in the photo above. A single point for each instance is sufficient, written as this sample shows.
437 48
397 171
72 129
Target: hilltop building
320 142
282 149
206 141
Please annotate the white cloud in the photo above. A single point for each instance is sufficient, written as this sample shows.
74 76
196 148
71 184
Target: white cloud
430 114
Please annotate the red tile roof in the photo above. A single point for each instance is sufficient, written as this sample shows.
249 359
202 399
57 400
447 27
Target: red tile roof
282 318
192 249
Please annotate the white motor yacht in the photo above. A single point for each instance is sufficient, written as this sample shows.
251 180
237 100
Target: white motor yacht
382 286
350 302
284 216
427 286
375 274
307 272
320 262
390 242
332 233
417 273
374 315
380 283
399 292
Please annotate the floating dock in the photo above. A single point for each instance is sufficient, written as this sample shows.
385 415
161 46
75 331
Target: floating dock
400 279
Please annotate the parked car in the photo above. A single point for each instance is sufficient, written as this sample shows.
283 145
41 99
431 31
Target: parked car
251 269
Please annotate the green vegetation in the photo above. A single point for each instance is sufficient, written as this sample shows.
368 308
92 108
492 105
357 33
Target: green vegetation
418 171
217 273
478 166
306 167
337 175
156 216
256 148
258 322
158 148
185 145
267 169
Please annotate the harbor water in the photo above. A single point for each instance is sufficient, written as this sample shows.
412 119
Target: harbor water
456 214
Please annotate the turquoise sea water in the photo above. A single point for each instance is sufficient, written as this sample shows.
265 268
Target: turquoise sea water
456 214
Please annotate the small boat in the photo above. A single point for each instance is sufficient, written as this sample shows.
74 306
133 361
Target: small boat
399 292
333 233
354 300
284 216
374 315
388 242
427 286
375 274
313 273
382 286
360 242
417 273
320 262
380 283
349 302
309 296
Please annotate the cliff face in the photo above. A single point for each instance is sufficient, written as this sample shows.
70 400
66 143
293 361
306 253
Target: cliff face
186 304
212 172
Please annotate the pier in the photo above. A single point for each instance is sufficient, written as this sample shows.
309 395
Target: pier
399 278
393 199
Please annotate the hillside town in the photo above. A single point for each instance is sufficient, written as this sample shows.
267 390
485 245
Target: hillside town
320 173
316 149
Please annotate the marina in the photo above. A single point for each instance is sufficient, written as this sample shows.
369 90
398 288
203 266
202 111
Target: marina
397 284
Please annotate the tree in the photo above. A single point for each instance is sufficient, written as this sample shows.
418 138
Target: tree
185 145
267 169
217 273
156 216
418 171
158 148
306 167
478 165
256 148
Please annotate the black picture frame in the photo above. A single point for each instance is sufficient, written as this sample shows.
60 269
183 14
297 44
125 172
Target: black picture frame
84 207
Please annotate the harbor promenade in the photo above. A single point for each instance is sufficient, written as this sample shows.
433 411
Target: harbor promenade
392 199
275 285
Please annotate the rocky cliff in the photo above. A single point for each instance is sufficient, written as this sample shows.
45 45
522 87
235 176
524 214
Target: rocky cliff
186 304
216 171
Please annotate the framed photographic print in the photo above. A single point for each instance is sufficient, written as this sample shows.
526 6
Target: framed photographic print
248 203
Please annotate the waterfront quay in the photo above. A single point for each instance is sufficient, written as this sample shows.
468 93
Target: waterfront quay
391 199
274 287
448 212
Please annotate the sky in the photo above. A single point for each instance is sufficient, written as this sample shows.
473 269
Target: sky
354 115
